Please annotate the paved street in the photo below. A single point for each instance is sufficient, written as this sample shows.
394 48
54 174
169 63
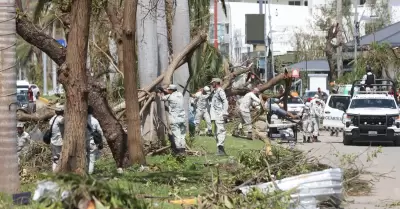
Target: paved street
386 191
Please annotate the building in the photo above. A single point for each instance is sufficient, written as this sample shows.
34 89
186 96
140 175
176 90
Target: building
287 16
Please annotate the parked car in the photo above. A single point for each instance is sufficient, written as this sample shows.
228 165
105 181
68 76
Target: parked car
295 105
22 100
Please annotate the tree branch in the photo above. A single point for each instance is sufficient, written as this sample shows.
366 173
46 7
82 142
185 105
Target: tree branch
175 64
24 117
28 31
111 12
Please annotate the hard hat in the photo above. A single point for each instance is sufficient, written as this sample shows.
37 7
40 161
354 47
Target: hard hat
59 107
206 89
172 87
316 96
20 125
218 80
307 104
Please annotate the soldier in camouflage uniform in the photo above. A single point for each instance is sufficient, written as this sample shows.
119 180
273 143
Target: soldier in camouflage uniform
23 139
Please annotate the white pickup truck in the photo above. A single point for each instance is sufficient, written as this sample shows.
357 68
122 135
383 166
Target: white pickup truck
372 116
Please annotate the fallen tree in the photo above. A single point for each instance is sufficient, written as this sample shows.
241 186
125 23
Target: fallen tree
112 128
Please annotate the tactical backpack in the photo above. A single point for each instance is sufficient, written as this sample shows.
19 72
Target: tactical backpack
370 79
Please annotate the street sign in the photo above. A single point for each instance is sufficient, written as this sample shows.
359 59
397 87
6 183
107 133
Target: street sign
295 73
62 42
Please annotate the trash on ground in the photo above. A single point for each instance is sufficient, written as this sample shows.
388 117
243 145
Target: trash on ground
23 198
49 189
308 189
184 201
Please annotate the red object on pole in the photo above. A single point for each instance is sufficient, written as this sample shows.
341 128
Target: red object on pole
216 24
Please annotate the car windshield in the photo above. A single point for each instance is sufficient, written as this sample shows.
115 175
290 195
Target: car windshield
371 103
310 93
295 100
23 98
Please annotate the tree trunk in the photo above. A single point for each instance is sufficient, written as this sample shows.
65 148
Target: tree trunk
146 30
163 54
135 144
112 129
74 79
9 177
180 38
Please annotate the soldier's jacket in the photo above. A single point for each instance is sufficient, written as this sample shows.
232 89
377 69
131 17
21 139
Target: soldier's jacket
23 140
175 106
306 115
247 101
202 100
317 110
219 104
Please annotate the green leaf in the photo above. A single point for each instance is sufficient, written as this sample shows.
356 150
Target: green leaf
98 204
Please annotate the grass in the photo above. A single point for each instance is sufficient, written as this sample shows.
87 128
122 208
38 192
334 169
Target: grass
165 177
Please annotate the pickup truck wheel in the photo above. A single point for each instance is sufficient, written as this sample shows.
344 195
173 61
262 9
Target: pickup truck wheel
396 142
347 141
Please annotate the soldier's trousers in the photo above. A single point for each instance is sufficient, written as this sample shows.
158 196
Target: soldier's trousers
220 132
315 125
246 121
307 128
179 133
202 114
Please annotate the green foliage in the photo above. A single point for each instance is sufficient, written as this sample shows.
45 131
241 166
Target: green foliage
87 188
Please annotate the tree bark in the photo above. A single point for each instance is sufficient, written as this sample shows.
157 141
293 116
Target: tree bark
74 78
146 39
9 178
135 144
112 129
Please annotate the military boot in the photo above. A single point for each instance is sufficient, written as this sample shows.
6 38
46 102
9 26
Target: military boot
221 151
304 139
332 132
315 139
209 133
309 139
249 135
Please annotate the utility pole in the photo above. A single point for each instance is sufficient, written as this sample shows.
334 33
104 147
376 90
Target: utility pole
339 38
216 24
356 31
270 40
266 44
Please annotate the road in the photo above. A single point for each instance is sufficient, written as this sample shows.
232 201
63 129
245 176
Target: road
386 191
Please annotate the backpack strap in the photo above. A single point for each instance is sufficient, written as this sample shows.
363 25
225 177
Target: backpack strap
51 127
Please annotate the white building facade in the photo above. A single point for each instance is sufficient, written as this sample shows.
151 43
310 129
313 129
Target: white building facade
287 16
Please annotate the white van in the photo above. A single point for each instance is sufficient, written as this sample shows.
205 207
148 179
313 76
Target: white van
22 86
333 112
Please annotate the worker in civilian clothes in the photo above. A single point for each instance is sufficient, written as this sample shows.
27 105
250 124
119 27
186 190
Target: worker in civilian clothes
176 116
316 112
306 126
23 139
202 104
219 112
57 134
246 102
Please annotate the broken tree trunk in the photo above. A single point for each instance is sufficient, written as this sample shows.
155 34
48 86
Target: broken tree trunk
178 60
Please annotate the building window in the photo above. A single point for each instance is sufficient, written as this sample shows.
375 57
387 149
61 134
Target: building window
362 2
295 3
305 3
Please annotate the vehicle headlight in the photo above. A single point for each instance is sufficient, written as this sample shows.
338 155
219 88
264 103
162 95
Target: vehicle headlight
350 118
392 119
24 105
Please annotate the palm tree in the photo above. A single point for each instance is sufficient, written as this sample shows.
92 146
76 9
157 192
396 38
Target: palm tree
147 50
9 177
